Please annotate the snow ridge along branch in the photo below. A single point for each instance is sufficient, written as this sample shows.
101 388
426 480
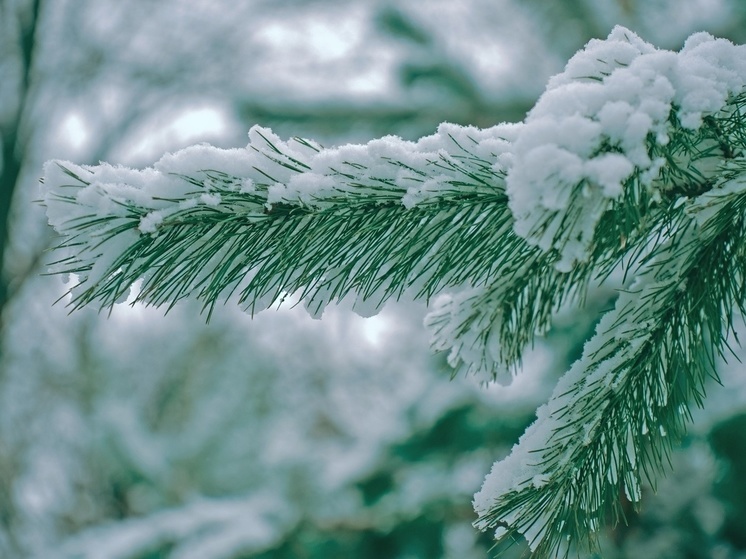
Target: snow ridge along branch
632 159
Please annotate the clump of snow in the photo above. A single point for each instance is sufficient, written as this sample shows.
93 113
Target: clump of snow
306 188
150 223
609 171
247 186
458 322
589 134
210 199
428 189
705 206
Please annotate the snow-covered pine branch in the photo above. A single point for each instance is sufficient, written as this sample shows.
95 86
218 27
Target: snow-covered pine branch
632 160
614 416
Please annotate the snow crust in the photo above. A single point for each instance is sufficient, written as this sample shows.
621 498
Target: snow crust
301 174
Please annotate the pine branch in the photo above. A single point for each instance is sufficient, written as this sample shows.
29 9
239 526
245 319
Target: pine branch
615 416
633 160
211 239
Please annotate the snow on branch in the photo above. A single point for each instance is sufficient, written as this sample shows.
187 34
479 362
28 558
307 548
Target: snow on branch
603 131
632 160
614 416
281 218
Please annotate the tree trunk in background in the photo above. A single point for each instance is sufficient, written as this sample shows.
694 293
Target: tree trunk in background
13 142
12 137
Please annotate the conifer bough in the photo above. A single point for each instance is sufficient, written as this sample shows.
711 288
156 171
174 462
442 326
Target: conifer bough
632 162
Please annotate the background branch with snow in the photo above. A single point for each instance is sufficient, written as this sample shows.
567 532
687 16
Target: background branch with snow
631 163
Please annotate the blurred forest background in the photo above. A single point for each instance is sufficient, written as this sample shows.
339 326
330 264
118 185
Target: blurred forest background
143 436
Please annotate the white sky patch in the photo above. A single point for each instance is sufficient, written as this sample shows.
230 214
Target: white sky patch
331 41
373 329
189 126
198 122
371 82
493 58
73 131
333 53
325 40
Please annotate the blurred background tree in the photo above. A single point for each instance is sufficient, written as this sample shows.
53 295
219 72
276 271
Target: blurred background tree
142 436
